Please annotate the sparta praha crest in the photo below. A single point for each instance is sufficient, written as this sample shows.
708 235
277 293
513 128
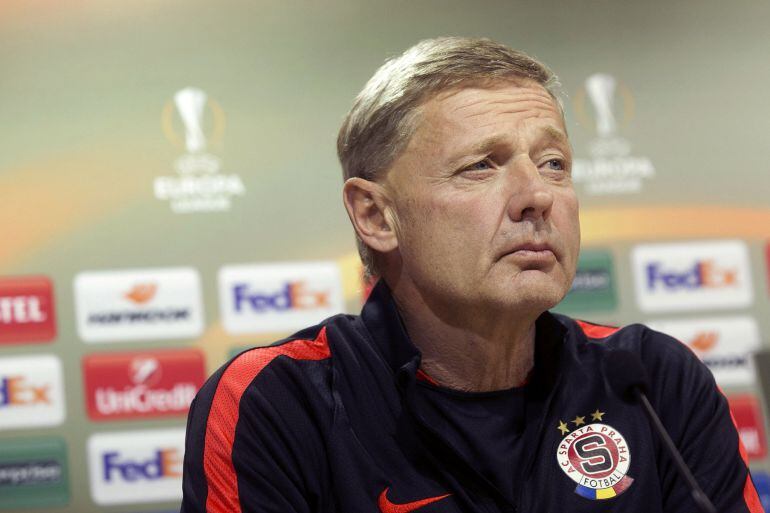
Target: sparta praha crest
596 457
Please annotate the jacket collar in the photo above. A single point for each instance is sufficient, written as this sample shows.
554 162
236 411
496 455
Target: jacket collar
383 321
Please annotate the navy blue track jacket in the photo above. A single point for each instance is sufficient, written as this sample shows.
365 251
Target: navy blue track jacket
328 421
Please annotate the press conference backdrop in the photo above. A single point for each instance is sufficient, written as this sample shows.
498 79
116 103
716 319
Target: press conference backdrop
170 194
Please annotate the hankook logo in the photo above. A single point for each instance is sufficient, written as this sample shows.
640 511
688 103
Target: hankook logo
724 344
138 304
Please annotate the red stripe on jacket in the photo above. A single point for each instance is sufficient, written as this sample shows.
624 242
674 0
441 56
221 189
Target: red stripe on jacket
223 416
595 330
750 496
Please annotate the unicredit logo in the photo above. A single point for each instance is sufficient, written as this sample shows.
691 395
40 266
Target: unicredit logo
141 399
157 383
292 296
164 463
703 274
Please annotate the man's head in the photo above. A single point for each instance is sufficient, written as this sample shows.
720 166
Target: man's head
457 167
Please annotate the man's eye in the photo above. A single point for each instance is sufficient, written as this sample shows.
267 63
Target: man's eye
482 165
556 164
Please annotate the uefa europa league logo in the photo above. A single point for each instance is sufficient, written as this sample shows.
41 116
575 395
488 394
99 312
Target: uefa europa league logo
194 122
190 103
611 168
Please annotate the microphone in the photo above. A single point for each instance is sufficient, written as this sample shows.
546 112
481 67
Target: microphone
625 374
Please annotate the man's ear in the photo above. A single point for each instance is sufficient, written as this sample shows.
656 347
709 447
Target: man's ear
368 208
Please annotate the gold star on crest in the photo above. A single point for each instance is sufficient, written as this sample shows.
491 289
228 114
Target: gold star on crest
579 421
563 428
597 415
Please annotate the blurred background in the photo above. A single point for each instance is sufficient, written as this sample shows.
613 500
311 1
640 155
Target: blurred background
170 195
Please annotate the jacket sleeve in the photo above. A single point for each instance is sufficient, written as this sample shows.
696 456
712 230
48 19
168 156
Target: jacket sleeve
252 444
697 416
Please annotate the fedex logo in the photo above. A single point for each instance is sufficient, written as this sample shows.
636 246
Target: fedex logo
705 274
164 463
26 310
31 392
692 275
136 466
271 298
294 295
15 390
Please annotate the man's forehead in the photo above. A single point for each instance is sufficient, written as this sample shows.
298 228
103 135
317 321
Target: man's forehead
475 106
476 100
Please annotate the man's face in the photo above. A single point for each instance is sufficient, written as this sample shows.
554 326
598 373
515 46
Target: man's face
485 213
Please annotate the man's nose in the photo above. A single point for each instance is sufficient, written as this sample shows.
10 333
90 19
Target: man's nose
530 197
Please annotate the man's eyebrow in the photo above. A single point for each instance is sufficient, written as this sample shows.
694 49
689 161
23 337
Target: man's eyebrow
555 135
482 147
486 146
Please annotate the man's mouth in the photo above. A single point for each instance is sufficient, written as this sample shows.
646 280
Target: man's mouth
533 253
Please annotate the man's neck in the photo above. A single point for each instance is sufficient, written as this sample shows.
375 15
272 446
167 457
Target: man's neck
478 357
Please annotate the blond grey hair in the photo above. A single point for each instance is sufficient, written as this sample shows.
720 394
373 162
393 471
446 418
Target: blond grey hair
385 113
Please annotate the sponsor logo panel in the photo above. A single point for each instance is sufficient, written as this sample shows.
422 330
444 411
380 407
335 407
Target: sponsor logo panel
273 298
692 275
142 384
33 473
750 423
136 466
594 285
31 392
27 312
138 304
725 344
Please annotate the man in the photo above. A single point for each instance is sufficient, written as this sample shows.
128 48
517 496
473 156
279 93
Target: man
455 390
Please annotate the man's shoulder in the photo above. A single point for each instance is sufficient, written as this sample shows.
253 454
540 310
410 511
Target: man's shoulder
303 354
658 351
636 337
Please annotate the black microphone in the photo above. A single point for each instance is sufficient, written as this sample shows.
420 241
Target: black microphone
625 374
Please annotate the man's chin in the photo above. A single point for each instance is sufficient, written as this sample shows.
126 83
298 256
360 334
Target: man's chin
533 296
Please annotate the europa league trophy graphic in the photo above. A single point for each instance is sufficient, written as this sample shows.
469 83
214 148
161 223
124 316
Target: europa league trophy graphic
190 103
601 90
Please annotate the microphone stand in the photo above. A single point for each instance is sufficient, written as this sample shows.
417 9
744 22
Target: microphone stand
700 498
